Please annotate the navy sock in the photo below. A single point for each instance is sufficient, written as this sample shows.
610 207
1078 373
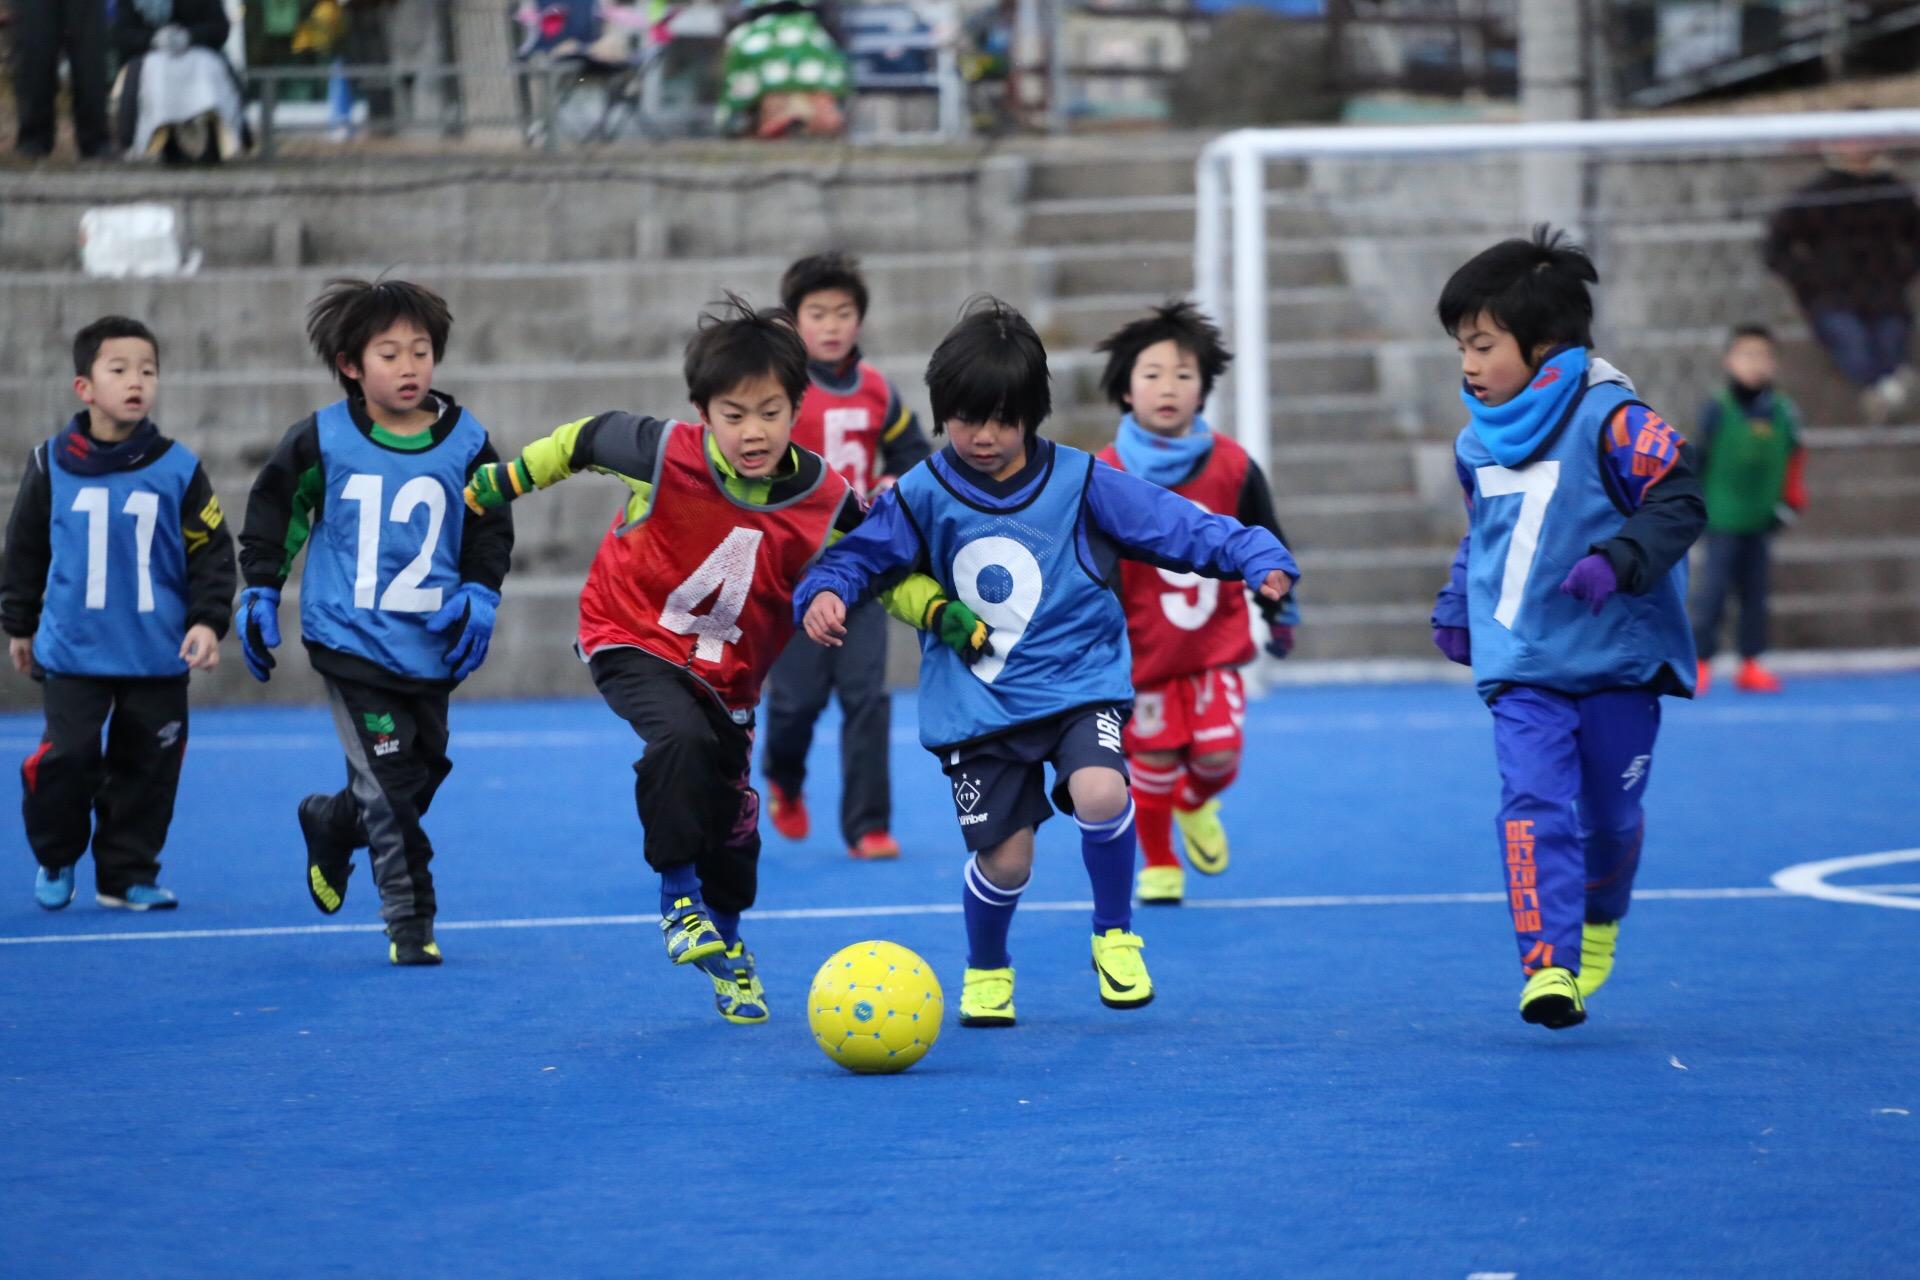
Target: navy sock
1107 849
676 883
989 912
727 922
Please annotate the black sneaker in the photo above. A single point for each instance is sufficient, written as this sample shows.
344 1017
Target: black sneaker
329 862
411 941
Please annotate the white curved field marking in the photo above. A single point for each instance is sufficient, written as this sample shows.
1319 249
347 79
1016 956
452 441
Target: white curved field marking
1811 880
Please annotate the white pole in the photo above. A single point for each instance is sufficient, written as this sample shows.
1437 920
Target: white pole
1210 236
1252 423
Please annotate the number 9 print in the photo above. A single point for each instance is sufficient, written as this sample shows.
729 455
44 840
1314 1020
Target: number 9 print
1001 582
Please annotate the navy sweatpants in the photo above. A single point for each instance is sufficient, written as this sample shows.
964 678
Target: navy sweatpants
1573 773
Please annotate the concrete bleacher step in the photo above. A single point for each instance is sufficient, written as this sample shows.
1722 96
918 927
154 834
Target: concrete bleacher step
1093 219
1154 269
503 313
1302 312
534 208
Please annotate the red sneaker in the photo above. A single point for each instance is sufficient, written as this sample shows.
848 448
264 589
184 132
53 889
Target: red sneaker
1754 678
789 813
1703 679
875 846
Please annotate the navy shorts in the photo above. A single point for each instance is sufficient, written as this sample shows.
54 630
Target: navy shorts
1000 783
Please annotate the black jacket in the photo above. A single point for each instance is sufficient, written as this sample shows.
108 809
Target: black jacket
205 21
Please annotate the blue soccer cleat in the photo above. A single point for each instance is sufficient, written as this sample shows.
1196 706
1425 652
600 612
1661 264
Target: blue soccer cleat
140 897
53 889
737 992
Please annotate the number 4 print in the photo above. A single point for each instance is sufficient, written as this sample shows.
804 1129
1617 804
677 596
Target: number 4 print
1535 485
728 569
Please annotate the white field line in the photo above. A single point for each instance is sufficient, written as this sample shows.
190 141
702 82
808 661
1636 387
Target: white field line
1269 721
1742 893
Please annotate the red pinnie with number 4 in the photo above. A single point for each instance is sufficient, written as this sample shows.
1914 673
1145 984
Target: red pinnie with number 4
688 603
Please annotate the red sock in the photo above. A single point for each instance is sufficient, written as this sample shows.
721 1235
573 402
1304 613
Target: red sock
1153 811
1204 782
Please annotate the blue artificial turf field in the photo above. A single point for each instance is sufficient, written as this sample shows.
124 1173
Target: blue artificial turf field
1332 1082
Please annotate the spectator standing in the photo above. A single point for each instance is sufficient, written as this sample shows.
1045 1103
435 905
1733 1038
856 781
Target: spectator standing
177 94
44 31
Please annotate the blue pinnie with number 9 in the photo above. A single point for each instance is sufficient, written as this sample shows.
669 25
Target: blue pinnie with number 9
400 588
1028 536
1567 598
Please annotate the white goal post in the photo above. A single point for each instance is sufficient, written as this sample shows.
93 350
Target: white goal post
1232 222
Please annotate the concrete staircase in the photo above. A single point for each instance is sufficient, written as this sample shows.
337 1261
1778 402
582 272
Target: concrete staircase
575 284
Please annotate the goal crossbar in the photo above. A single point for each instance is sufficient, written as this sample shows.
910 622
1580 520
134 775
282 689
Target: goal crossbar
1230 228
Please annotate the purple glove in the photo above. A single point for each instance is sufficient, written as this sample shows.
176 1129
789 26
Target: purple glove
1591 582
1279 638
1456 643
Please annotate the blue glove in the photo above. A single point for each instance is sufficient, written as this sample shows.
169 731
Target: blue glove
259 629
473 605
1456 643
1591 582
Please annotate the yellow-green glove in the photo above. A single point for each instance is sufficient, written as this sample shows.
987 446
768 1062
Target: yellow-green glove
960 629
495 484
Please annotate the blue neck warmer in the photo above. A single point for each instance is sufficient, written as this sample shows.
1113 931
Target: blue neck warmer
1164 460
1514 431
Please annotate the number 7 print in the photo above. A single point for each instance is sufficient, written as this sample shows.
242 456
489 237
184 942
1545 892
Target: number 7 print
1535 485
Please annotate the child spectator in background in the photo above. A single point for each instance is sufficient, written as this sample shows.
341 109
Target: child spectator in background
1751 464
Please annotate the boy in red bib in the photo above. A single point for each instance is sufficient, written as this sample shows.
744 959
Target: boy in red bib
1189 634
689 601
854 418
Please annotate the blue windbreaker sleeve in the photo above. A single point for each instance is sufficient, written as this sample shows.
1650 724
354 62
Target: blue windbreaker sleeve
1164 529
1450 608
884 546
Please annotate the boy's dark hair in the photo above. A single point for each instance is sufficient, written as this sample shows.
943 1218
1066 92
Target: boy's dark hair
990 366
1750 330
736 343
87 342
819 273
1534 289
1178 322
350 313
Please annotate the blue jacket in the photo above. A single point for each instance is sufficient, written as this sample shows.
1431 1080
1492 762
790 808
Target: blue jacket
1574 466
1037 556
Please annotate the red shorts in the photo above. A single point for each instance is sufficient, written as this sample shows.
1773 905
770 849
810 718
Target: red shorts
1200 714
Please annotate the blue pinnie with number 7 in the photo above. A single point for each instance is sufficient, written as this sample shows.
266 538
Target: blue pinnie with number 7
400 587
1567 598
1029 535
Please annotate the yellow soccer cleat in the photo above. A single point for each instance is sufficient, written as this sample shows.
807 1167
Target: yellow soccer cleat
1552 1000
1205 838
1124 981
1597 943
1161 886
986 998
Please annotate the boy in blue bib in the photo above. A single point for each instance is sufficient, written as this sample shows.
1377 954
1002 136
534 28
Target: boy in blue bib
1028 534
398 597
1567 598
118 582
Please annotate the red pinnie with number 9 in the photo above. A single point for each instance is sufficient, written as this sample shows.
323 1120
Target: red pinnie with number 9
688 603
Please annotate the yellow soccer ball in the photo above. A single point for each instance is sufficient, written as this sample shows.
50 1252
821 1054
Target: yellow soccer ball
875 1007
